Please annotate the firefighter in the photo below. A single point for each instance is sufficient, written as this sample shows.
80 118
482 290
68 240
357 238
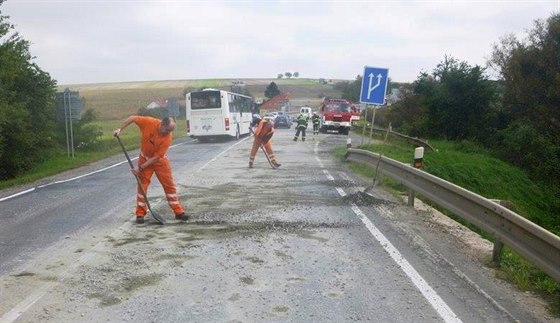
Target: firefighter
301 126
156 137
315 119
263 133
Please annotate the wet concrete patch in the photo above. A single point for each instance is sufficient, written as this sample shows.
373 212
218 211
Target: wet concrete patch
125 241
247 280
280 309
309 235
135 282
106 300
24 274
255 260
283 255
234 297
364 199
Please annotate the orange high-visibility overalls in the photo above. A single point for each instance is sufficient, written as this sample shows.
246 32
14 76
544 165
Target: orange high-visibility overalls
154 144
263 133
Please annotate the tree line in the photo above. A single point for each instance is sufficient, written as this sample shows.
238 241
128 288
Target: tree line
517 116
29 132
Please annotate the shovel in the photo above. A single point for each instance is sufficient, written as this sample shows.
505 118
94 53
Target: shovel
154 214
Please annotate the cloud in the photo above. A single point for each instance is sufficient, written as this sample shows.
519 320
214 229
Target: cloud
112 41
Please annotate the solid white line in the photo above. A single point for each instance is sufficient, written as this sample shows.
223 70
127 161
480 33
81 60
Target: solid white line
433 298
41 291
78 177
17 194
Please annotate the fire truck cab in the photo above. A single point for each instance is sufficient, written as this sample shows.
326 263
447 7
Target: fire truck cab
336 114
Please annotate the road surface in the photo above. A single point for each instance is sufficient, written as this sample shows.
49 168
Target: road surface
302 243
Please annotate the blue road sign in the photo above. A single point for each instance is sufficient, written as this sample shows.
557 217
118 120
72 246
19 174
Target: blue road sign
374 85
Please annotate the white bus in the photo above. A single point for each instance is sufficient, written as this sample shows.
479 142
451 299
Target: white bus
217 114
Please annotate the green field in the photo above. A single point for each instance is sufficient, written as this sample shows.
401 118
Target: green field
118 100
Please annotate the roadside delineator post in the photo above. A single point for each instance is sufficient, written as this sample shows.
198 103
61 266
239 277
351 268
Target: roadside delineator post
349 142
418 157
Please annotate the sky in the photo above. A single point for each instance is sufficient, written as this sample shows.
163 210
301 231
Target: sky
100 41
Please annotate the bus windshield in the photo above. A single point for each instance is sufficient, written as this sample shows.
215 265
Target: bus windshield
338 107
205 100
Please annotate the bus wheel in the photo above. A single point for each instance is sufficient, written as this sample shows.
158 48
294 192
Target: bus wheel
237 133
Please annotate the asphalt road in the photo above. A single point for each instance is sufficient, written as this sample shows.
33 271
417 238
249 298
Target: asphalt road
301 243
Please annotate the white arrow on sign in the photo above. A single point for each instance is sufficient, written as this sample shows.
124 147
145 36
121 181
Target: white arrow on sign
371 88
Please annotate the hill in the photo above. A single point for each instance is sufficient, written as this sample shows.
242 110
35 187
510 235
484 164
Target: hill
118 100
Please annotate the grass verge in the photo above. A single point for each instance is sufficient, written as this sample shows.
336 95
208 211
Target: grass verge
58 161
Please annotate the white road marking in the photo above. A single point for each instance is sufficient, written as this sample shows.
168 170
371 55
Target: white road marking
340 191
17 194
77 177
431 296
329 176
218 155
42 290
429 293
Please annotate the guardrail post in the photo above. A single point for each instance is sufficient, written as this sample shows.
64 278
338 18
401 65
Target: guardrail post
499 245
497 252
410 198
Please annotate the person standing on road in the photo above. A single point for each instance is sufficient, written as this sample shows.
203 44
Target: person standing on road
315 119
156 137
301 126
263 134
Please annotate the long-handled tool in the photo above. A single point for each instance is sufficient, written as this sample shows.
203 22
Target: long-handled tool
154 214
264 151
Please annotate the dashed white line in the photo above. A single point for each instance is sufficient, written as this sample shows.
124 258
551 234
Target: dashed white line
329 176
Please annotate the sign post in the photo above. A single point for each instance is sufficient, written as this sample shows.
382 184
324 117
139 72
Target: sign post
68 108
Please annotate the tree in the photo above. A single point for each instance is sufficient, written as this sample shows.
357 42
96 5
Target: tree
280 76
296 74
408 115
288 74
530 72
458 100
27 105
350 90
271 90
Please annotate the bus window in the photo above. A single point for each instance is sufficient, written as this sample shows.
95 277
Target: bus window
205 100
233 103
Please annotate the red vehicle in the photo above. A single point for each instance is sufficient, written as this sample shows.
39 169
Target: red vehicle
355 109
336 114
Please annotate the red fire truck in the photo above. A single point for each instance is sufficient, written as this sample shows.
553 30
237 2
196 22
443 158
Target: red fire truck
338 115
355 108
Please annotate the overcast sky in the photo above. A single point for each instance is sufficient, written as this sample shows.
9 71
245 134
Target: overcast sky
79 41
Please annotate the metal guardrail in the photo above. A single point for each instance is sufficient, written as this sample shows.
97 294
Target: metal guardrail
528 239
412 140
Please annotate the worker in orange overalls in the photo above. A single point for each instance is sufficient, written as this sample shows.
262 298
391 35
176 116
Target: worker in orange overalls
155 141
262 135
